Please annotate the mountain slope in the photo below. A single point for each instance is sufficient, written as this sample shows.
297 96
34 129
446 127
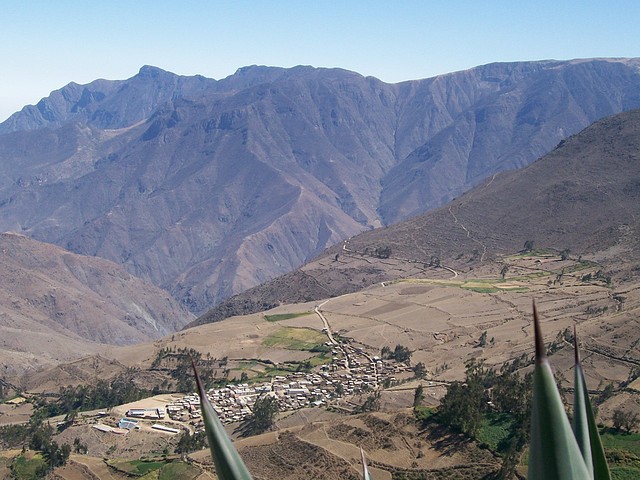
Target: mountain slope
207 187
583 196
56 305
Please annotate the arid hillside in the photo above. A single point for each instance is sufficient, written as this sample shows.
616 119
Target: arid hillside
56 306
582 198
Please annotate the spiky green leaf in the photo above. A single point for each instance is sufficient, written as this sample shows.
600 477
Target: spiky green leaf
584 425
554 453
229 465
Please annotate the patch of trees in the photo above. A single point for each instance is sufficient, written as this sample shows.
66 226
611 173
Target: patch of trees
598 275
625 420
486 391
418 396
382 252
265 411
103 394
371 403
177 362
399 354
419 370
37 435
191 443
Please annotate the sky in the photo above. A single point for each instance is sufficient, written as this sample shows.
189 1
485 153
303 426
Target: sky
47 44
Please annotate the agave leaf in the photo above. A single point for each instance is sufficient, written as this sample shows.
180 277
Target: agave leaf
229 465
365 470
554 453
584 424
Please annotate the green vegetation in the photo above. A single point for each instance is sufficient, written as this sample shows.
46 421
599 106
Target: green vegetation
292 338
180 470
615 440
535 252
28 467
464 404
191 443
382 252
265 411
424 414
38 436
284 316
155 469
399 354
86 397
418 396
137 467
495 431
623 453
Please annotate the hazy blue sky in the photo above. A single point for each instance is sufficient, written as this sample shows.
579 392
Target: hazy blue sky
49 43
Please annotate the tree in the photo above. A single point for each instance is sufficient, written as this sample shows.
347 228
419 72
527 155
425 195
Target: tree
79 447
265 411
504 270
528 246
418 396
372 403
464 404
482 341
401 353
419 370
627 420
564 254
191 443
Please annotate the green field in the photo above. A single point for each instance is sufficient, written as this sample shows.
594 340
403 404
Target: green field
180 470
292 338
495 429
137 467
623 454
27 468
284 316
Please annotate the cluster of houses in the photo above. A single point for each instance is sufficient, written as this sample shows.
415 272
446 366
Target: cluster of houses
355 374
351 372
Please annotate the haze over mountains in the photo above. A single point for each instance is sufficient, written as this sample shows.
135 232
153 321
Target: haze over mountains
208 187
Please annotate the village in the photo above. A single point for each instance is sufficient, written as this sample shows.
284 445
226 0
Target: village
352 371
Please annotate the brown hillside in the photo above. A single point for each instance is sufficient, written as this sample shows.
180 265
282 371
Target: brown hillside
584 196
56 305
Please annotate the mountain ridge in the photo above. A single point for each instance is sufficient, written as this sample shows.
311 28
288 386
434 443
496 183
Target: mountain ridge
208 187
580 197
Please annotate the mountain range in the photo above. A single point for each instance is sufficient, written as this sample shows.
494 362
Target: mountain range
582 198
207 188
